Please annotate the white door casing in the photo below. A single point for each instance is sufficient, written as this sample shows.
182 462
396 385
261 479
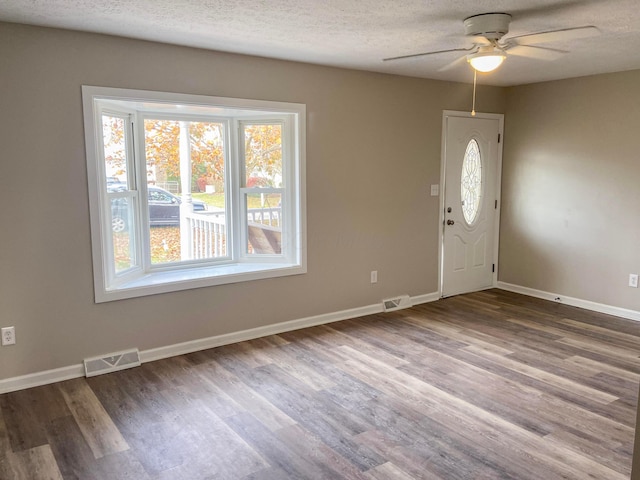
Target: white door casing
469 250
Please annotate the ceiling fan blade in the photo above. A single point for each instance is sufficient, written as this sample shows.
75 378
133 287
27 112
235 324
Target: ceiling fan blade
556 35
539 53
457 62
401 57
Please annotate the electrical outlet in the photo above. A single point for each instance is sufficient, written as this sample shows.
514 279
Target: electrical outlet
633 280
374 276
8 336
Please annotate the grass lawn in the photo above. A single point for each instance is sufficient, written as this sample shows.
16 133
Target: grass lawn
212 199
254 200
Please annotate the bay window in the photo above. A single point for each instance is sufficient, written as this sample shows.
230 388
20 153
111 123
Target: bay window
189 191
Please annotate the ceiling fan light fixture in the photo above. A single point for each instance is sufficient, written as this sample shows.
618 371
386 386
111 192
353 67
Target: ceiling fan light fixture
486 61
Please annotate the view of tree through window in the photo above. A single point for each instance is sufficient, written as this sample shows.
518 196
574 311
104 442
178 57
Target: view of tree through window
115 156
191 190
263 192
263 155
205 146
168 145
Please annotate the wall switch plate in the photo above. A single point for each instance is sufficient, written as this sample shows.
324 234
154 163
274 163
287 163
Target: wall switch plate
374 276
8 336
633 280
435 190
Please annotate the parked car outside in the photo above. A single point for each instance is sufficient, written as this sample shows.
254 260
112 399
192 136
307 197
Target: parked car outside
115 185
164 208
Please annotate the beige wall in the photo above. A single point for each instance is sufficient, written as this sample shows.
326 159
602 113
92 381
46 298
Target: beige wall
570 218
373 149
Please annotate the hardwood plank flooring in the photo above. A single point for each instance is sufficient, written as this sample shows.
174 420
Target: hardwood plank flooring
489 385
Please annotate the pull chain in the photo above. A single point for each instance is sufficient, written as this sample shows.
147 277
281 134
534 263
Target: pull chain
473 107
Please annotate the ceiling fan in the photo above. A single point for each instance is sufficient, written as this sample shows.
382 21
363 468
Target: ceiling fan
489 48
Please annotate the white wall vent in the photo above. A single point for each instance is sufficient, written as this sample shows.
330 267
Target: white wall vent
111 362
397 303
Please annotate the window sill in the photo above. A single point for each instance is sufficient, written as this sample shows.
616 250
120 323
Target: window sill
198 277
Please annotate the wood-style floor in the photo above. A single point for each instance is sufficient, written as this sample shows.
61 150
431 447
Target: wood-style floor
489 385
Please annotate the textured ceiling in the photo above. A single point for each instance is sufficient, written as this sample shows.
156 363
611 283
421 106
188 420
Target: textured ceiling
358 33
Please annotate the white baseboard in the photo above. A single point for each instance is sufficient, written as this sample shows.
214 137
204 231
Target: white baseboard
426 298
76 371
574 302
252 333
41 378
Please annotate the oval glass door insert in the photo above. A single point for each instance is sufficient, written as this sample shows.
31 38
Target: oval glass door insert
471 182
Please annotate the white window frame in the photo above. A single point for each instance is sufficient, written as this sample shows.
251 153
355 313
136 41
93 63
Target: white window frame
146 279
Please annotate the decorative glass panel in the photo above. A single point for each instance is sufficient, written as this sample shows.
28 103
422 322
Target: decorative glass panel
471 182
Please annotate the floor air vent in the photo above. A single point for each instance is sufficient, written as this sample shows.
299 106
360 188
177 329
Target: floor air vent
398 303
111 363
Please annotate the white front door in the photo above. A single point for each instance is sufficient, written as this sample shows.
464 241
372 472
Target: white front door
471 165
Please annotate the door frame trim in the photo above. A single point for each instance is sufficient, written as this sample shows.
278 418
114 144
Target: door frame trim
496 243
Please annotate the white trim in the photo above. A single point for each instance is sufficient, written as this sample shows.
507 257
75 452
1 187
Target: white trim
252 333
498 188
426 298
75 371
41 378
197 277
574 302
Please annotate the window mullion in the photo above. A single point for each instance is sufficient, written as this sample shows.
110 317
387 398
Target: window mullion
105 205
140 184
291 215
233 187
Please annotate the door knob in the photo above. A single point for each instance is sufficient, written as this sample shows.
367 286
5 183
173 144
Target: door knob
450 222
